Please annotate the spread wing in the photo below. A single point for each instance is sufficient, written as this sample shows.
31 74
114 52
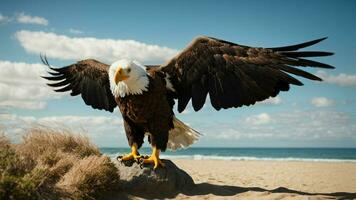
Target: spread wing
234 75
87 77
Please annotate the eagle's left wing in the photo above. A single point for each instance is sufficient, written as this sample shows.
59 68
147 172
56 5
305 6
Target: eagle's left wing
235 75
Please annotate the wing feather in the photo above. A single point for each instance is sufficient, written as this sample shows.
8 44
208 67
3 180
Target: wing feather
89 78
298 46
198 95
235 75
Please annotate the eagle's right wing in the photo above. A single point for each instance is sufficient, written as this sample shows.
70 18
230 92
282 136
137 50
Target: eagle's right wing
87 77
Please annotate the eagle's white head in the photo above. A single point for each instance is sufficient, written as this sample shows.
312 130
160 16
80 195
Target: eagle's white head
127 78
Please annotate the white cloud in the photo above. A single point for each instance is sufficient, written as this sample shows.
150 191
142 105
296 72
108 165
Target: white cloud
340 79
108 50
229 134
24 19
22 87
4 19
263 118
23 104
301 127
287 128
322 102
28 19
272 101
75 31
79 121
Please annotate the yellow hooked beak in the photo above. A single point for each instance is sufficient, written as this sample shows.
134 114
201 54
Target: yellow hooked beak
120 75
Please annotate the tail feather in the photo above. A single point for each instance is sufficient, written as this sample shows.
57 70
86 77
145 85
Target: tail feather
181 136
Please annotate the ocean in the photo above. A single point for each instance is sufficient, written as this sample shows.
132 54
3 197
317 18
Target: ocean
279 154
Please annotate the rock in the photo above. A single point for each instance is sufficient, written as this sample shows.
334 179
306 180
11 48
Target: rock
146 182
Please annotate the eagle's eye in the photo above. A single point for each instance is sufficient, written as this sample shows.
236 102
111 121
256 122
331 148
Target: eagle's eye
128 70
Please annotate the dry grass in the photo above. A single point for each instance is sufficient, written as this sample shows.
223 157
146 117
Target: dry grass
4 142
40 140
100 176
51 164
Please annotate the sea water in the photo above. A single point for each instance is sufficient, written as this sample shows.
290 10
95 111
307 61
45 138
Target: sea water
280 154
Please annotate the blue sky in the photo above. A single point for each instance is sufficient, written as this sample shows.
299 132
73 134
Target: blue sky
315 115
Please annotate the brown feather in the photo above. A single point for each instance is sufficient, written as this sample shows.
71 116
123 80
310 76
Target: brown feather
88 78
236 74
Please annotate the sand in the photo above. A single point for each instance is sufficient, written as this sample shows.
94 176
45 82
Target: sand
218 179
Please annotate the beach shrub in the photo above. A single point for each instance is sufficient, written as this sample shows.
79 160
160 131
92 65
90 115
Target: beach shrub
42 140
50 164
13 185
91 178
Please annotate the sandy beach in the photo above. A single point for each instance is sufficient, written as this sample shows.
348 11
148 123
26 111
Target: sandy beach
217 179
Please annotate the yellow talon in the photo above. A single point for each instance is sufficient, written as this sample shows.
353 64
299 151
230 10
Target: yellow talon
154 158
133 155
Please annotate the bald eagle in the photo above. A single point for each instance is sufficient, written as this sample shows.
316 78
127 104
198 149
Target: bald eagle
233 75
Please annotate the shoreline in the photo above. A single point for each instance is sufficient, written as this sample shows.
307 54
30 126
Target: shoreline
223 158
250 154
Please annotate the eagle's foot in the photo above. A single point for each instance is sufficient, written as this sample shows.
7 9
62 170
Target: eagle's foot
130 156
134 155
154 159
